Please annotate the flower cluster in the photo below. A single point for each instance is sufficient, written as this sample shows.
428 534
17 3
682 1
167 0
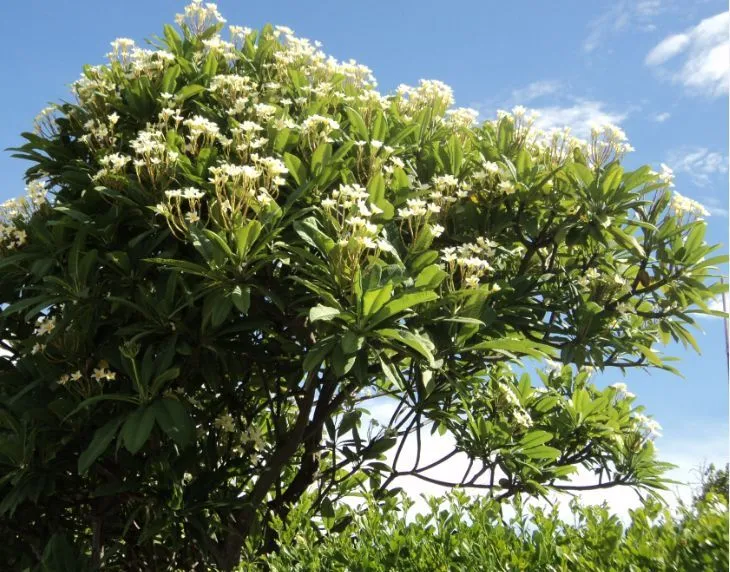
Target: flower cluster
153 156
138 61
517 412
201 132
66 377
20 209
300 53
225 423
522 122
647 427
198 17
349 209
44 326
102 372
316 129
45 122
429 93
622 391
608 143
681 206
467 258
181 208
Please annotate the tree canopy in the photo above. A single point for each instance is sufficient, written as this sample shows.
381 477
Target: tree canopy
230 247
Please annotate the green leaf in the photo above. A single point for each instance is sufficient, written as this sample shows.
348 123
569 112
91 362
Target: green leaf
357 123
159 382
376 189
183 265
431 277
216 308
241 298
322 313
380 446
351 343
317 353
401 304
542 452
650 355
189 91
320 158
102 437
535 438
414 341
137 428
174 419
341 363
534 349
373 300
246 236
297 169
169 79
104 397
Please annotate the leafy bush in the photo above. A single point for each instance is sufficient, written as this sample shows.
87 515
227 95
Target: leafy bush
462 534
230 247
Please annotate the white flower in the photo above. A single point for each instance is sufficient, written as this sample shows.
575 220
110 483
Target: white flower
437 230
507 187
225 423
472 281
45 326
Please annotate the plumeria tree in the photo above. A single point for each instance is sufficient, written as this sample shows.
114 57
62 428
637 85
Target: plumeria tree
230 247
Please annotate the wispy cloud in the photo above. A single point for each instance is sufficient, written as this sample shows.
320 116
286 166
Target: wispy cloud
535 90
661 117
579 116
699 163
619 17
715 206
704 56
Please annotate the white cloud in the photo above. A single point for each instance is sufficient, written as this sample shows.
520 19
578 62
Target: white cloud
578 116
699 163
661 117
621 16
667 49
535 90
706 56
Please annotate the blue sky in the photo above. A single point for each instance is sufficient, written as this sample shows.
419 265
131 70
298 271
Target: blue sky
659 68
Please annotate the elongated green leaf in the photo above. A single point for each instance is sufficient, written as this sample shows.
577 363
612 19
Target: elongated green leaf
322 313
357 124
431 277
534 349
400 305
297 169
373 300
414 341
241 298
183 265
317 353
535 438
174 419
189 91
102 438
137 428
104 397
